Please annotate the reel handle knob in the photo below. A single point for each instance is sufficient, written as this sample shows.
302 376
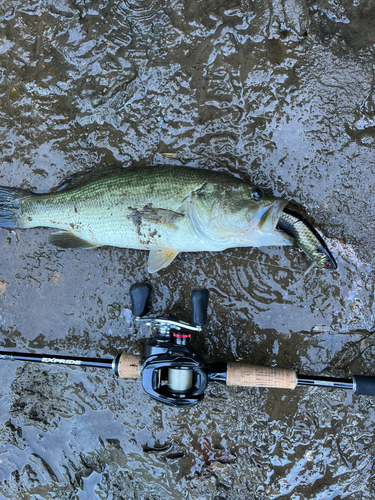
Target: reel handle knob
199 304
139 295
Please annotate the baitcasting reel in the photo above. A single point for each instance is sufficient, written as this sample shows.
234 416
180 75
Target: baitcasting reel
172 371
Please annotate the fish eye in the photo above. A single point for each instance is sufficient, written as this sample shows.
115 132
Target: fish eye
256 194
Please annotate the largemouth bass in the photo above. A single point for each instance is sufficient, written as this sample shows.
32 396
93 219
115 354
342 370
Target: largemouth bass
163 209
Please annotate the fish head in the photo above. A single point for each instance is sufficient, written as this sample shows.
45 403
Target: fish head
324 259
241 212
247 208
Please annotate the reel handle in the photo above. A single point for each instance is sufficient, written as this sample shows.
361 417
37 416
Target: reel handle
139 295
199 304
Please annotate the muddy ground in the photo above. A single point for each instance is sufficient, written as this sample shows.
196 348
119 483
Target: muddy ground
281 92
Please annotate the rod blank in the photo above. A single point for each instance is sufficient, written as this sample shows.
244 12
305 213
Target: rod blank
57 359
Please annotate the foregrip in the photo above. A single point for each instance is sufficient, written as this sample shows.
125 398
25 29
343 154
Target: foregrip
128 366
244 375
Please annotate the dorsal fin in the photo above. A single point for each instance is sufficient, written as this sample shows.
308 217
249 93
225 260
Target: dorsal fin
80 178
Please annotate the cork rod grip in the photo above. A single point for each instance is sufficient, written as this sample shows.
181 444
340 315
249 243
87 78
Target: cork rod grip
259 376
128 366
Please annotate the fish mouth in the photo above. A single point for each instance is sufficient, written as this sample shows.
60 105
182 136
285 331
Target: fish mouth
263 228
271 215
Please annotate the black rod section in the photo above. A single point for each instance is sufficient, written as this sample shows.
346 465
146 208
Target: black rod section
337 383
52 359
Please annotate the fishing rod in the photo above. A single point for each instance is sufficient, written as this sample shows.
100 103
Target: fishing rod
173 373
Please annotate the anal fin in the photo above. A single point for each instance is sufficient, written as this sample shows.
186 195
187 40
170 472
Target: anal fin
160 258
66 239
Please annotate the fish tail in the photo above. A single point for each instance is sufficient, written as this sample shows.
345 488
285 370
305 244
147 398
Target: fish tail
10 206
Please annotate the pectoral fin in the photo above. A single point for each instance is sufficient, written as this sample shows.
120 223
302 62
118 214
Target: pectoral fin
66 239
160 258
158 216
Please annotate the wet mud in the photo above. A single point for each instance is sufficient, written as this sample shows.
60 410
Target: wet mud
281 92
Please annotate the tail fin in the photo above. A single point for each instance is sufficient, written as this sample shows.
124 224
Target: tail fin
10 206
